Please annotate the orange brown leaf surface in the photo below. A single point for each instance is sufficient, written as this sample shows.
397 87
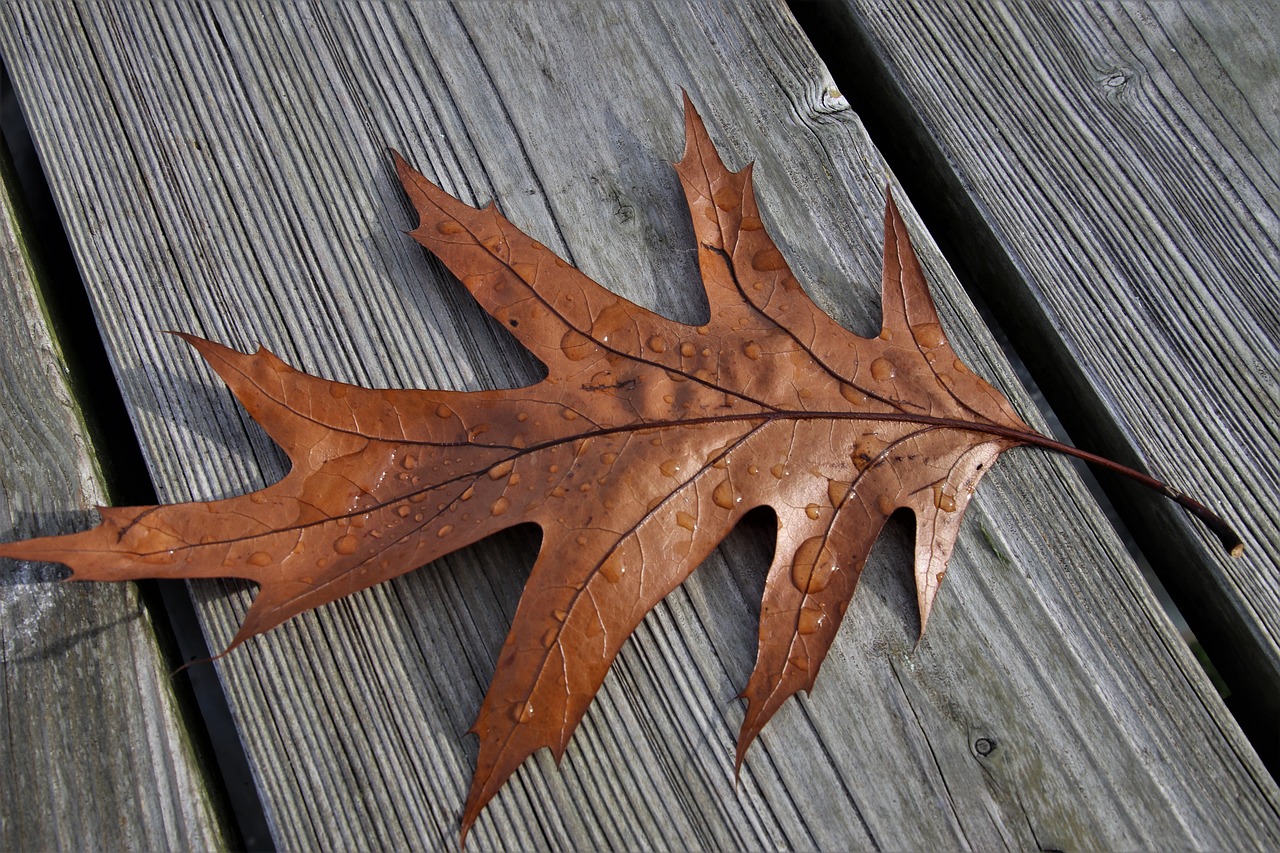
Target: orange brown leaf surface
646 443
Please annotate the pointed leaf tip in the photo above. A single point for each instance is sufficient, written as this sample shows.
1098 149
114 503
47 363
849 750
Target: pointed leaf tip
401 164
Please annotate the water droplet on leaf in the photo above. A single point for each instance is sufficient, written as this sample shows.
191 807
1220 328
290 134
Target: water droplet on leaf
883 370
767 260
928 334
853 395
612 569
575 345
813 565
942 500
811 619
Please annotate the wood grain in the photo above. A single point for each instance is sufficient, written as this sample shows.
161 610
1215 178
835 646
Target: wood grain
1113 173
223 170
92 745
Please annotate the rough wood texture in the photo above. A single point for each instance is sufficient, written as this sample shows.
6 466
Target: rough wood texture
92 748
224 171
1115 168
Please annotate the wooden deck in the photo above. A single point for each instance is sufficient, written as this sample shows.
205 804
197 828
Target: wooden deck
1104 178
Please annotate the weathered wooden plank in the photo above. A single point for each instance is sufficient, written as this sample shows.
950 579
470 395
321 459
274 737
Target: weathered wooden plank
1114 170
223 170
92 746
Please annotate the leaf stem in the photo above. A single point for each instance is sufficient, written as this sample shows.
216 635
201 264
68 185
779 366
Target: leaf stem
1219 527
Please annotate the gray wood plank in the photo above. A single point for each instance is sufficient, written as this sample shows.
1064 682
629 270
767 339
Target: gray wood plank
223 170
1116 170
93 749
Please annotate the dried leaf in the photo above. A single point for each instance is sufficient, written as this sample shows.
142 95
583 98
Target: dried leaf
646 443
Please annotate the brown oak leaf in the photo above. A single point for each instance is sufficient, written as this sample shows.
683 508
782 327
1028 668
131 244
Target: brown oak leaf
648 440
